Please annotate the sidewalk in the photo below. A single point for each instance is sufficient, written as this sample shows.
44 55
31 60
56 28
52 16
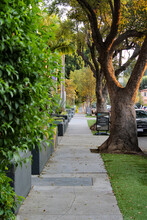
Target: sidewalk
74 184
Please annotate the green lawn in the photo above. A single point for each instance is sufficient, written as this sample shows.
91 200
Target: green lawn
91 116
128 177
91 122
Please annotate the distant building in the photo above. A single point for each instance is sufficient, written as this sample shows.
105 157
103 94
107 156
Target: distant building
144 95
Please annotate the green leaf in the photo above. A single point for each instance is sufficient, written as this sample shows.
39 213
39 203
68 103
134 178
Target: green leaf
16 157
10 116
16 105
17 121
11 93
1 212
1 21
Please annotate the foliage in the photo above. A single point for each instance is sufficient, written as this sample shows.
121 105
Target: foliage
143 84
139 99
72 62
84 83
70 92
61 34
128 176
7 198
26 70
68 106
134 15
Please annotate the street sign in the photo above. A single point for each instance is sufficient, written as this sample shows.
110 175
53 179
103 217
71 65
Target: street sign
102 122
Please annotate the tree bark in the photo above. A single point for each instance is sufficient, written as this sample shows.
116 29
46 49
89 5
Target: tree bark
123 132
101 94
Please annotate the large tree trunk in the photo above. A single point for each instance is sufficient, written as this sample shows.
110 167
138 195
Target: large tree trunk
101 94
123 132
101 97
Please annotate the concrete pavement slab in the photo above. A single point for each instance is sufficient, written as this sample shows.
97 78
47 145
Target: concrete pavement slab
70 217
74 184
72 200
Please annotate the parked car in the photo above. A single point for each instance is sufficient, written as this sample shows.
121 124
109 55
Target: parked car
141 120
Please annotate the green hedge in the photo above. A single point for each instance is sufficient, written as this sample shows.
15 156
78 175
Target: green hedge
7 198
27 68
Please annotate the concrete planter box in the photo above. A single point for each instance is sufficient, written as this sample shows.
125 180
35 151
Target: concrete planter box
66 117
21 178
71 112
66 125
55 138
41 156
66 120
70 115
61 127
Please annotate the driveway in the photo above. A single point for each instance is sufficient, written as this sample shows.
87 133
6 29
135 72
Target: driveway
143 143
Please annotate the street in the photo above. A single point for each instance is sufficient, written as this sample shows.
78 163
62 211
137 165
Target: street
143 143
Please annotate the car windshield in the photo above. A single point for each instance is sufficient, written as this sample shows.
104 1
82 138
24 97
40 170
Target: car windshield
141 114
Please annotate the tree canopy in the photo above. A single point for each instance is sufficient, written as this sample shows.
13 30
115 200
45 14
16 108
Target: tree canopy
116 26
84 84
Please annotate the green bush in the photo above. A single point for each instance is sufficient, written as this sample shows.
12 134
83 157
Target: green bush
7 198
27 69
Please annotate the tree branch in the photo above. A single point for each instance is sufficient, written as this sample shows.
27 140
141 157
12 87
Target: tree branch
125 36
86 60
138 71
93 23
127 47
93 56
115 23
111 6
125 65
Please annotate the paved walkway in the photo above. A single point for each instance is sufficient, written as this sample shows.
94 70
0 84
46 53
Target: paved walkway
74 184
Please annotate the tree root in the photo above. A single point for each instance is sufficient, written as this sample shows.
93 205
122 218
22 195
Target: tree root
93 127
111 147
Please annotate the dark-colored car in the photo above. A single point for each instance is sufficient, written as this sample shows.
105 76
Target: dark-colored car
141 120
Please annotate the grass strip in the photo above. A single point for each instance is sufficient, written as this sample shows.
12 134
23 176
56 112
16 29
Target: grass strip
128 177
91 116
91 122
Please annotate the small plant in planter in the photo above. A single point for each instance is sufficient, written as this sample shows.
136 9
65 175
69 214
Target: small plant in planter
64 113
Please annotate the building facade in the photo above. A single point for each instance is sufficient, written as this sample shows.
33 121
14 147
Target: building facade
144 95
